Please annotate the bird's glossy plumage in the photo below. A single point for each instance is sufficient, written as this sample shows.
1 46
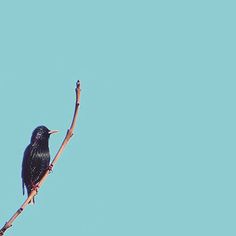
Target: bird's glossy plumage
36 158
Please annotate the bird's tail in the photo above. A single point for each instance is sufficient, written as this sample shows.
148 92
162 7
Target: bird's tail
23 187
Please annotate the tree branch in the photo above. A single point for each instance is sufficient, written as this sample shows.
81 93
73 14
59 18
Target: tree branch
69 134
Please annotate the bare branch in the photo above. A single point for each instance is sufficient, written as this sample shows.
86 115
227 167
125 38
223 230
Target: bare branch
69 134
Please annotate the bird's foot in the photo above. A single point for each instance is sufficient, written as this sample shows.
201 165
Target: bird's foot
35 187
50 168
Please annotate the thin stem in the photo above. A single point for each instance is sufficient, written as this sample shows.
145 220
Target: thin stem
69 134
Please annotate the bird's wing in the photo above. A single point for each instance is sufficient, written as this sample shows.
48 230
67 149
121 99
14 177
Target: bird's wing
39 162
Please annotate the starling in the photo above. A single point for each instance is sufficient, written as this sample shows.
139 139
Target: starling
36 159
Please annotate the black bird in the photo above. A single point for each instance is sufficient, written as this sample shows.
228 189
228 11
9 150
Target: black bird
36 158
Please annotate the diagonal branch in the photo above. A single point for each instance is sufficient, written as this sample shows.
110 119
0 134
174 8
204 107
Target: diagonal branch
69 134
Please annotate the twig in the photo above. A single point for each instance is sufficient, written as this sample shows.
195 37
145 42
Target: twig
69 134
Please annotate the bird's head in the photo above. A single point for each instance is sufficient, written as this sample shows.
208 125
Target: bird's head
41 134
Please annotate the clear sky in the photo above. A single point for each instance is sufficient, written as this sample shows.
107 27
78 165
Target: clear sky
154 147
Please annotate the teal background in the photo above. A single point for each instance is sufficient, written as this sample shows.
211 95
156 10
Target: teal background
154 147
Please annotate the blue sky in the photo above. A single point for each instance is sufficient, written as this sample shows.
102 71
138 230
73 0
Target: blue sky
154 147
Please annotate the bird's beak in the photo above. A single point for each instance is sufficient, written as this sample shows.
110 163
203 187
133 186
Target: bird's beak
53 131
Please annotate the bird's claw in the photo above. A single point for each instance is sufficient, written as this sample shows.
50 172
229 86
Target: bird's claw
50 168
35 187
